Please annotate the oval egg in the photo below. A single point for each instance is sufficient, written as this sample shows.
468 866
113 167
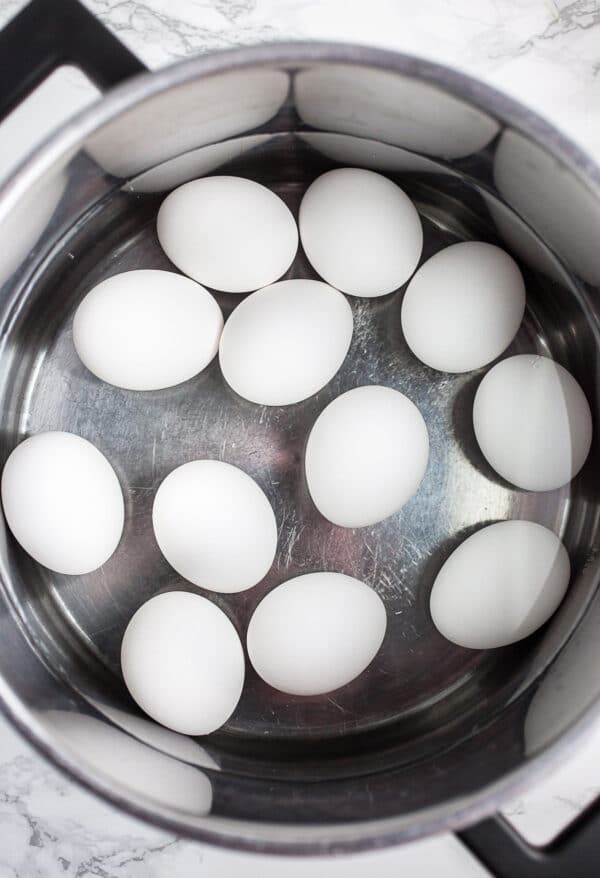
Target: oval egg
360 231
366 456
315 633
500 585
183 662
63 502
532 422
285 342
229 233
146 329
215 526
463 307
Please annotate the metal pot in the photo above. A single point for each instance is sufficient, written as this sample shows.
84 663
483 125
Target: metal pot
432 737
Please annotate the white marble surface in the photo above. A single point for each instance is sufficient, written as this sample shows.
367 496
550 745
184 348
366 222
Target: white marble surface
544 52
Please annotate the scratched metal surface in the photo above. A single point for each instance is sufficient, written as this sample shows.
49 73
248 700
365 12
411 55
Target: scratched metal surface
419 685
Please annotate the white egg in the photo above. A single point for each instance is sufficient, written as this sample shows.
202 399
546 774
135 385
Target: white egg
315 633
366 456
183 662
229 233
532 422
215 526
463 307
286 341
146 329
500 585
63 502
361 233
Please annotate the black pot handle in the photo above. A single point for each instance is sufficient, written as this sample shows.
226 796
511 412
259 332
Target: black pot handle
49 33
574 853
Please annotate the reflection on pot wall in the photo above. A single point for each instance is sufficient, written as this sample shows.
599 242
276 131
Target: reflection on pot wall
27 224
394 108
571 685
189 116
128 762
194 164
363 153
160 738
561 208
523 242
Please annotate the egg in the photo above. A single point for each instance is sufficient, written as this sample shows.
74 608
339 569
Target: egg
315 633
286 341
500 585
215 526
63 502
146 329
183 663
366 456
532 422
229 233
360 231
463 307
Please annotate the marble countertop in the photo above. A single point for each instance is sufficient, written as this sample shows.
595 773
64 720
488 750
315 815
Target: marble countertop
544 52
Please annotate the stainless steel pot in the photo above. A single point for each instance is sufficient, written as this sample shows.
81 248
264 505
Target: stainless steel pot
433 736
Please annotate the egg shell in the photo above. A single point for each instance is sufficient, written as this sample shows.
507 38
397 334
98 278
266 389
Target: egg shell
500 585
63 502
146 329
532 422
360 231
463 307
183 662
229 233
315 633
215 526
285 342
366 456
